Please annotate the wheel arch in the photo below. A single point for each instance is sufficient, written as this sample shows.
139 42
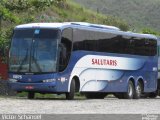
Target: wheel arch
77 83
132 79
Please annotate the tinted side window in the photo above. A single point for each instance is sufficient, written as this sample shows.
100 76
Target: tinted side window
151 47
78 40
107 42
85 40
113 43
65 48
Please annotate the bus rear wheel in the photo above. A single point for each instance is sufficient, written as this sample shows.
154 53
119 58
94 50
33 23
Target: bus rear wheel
31 95
138 91
130 91
70 94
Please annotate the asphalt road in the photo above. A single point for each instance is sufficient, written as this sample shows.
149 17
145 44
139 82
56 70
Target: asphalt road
92 106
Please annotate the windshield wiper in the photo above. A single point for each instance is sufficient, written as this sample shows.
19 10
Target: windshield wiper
38 66
33 58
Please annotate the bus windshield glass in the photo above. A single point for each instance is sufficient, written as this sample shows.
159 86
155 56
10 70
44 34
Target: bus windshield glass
34 50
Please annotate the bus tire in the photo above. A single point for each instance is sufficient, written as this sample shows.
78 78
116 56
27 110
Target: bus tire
70 94
138 91
31 95
130 91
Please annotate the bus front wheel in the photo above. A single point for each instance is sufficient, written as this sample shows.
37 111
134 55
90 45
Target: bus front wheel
70 94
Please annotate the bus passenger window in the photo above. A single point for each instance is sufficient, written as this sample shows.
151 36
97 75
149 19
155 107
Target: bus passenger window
65 48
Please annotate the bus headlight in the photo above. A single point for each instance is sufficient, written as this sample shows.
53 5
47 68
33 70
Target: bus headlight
49 80
13 80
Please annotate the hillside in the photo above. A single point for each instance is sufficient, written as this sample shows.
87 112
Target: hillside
138 13
58 11
20 12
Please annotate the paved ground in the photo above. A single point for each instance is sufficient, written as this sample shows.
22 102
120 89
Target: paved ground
62 106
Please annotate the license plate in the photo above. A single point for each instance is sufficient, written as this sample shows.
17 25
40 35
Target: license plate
29 87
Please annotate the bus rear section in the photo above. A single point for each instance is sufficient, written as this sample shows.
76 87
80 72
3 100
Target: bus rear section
68 58
121 63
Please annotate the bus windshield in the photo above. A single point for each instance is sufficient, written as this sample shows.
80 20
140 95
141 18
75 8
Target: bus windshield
34 50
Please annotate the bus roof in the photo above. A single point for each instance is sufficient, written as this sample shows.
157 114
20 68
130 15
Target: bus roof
65 24
87 26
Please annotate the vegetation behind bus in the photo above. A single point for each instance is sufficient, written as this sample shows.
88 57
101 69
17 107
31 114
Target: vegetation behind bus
138 13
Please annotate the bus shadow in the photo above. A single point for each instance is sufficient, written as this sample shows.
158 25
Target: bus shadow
56 98
81 98
62 99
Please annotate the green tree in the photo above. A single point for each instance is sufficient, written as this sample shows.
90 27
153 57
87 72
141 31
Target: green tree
5 15
8 14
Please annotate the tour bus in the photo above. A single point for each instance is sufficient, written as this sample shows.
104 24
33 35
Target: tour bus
93 59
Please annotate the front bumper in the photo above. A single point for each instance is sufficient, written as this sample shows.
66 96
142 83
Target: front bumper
35 87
